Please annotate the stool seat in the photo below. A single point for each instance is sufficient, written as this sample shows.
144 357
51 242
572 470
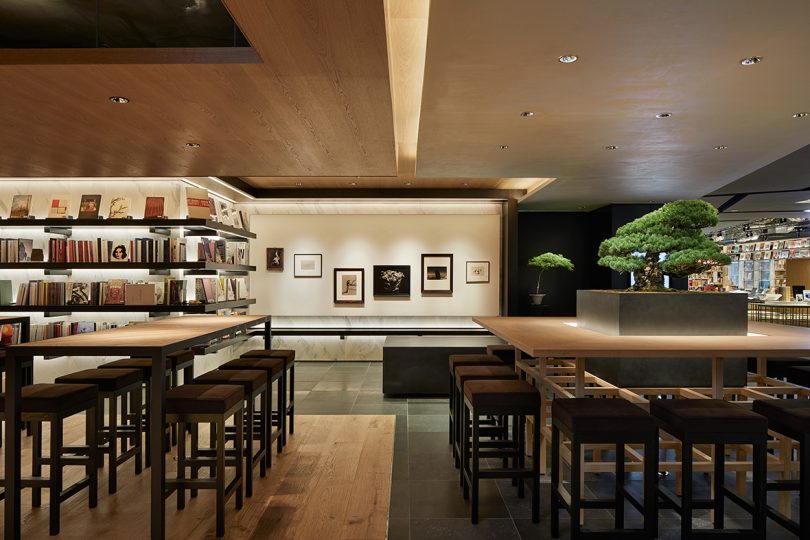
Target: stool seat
203 398
287 354
472 373
456 360
788 416
250 379
502 394
588 416
176 358
144 364
707 416
274 365
53 398
107 380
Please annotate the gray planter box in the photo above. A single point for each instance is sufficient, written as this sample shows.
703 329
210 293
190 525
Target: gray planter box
624 313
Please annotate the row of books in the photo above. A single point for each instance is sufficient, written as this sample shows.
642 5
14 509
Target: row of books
200 205
221 289
772 255
14 250
97 293
138 250
222 251
89 207
61 328
772 245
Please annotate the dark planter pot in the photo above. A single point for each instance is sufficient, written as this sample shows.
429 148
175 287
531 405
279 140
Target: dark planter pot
626 313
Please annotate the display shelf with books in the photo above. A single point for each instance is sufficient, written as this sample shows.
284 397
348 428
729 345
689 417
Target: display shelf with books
190 226
191 266
191 308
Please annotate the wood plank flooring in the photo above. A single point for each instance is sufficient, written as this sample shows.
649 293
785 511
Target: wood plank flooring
332 481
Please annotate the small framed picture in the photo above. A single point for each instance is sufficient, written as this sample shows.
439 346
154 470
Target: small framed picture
308 265
392 280
275 259
437 274
806 295
350 285
477 271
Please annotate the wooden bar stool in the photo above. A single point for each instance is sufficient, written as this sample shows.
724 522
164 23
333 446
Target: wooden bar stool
603 421
515 399
287 383
27 378
504 353
114 384
212 404
54 403
254 383
715 422
455 360
791 418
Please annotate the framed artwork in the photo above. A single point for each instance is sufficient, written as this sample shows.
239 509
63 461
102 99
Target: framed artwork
392 280
350 285
477 271
275 259
437 273
307 265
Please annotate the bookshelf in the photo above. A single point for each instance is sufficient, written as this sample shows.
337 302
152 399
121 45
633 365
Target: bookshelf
191 226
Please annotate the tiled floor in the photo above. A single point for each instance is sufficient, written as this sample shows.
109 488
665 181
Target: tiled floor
426 500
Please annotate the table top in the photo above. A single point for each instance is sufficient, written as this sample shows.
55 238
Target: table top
13 319
432 342
147 338
560 337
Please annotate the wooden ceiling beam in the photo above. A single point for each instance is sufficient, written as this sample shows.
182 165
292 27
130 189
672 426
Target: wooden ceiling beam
390 193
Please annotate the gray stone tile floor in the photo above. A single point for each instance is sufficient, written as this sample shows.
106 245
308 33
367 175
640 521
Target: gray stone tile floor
426 500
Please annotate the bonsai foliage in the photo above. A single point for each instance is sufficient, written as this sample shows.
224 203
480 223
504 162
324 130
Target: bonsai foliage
674 230
546 261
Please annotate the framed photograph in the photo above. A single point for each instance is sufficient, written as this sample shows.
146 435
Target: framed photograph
275 259
806 295
89 206
437 273
477 271
350 285
307 265
392 280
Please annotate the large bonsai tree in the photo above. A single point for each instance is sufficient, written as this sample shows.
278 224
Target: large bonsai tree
675 231
546 261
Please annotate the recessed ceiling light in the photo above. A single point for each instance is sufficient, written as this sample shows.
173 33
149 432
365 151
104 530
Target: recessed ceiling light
119 99
407 183
806 211
663 115
751 60
465 184
611 147
192 145
352 183
721 147
735 210
298 184
801 114
504 147
568 58
527 114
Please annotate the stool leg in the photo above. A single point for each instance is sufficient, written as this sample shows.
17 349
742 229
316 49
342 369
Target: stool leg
36 462
576 488
91 470
282 412
651 486
281 404
719 483
55 483
137 420
113 445
451 393
555 481
291 404
619 494
195 441
173 383
212 443
474 467
458 426
518 427
686 488
181 465
535 469
760 478
239 445
247 448
220 476
804 487
188 374
464 448
263 416
148 385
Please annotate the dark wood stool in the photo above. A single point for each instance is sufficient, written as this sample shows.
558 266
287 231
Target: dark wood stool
27 378
504 353
274 368
603 421
287 383
791 418
254 383
54 403
715 422
515 399
113 384
454 361
212 404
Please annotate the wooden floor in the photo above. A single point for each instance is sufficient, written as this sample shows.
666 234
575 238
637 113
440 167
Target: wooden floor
332 481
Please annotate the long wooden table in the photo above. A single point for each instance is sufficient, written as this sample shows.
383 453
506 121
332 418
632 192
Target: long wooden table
559 337
155 339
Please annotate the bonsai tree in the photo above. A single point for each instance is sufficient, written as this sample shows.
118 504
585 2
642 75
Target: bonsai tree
675 231
546 261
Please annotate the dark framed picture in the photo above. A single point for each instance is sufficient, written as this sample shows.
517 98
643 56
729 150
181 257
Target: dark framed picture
392 280
275 259
350 285
437 273
308 265
477 271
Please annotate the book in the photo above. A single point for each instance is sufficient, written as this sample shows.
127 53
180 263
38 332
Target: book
85 327
115 293
79 293
20 206
89 206
212 209
139 294
224 213
119 208
154 207
119 251
5 292
26 249
236 219
245 220
59 207
160 294
197 203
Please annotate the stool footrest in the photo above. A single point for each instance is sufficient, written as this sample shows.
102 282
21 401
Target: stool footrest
783 485
505 473
784 521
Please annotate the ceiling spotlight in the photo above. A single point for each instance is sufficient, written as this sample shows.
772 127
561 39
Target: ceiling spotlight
751 60
298 184
192 145
611 147
527 114
801 114
407 183
466 184
504 147
119 99
721 147
568 58
352 183
663 115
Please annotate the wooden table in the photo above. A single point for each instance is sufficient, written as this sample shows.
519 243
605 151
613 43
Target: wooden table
156 339
561 338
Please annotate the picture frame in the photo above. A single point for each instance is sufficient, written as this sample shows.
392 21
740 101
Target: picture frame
275 259
349 286
307 265
477 271
437 273
392 281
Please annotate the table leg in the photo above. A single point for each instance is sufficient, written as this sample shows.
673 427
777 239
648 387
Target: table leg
717 378
762 366
579 377
268 335
12 449
156 442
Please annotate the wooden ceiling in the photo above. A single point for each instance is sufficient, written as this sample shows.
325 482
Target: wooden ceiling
371 182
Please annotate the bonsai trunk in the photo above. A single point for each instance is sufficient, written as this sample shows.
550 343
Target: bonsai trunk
651 277
537 289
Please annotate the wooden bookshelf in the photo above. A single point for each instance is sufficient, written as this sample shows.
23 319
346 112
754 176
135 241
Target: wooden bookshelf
191 226
57 311
186 265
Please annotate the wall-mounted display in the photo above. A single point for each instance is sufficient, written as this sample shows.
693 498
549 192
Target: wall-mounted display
392 280
477 271
350 285
275 259
89 206
307 265
437 273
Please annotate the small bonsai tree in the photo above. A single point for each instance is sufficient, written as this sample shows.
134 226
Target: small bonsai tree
546 261
674 230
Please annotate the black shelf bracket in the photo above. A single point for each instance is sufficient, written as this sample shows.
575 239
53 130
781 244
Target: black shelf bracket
61 231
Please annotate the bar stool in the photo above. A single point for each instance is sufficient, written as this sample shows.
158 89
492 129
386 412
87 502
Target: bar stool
27 378
714 422
505 353
287 383
54 403
603 421
515 399
455 360
274 368
791 418
113 384
254 383
212 404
